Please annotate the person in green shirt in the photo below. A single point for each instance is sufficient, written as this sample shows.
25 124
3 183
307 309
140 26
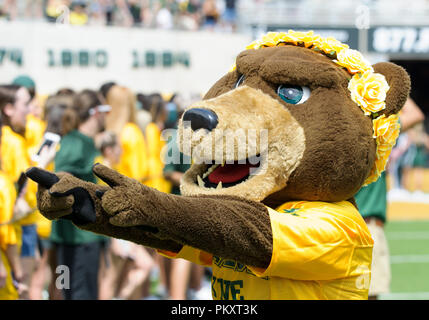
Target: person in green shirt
372 204
76 249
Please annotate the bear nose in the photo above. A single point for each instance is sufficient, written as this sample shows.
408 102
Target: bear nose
201 119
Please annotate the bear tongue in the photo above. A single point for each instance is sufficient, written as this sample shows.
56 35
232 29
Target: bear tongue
230 173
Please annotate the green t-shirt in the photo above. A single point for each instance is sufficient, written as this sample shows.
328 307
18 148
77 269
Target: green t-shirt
76 156
372 199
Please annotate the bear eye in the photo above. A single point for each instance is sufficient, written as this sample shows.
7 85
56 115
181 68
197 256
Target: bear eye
293 94
240 81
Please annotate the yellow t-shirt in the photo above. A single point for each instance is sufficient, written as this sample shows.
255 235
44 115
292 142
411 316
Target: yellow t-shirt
133 161
78 19
15 160
8 235
321 250
7 201
155 159
34 130
14 153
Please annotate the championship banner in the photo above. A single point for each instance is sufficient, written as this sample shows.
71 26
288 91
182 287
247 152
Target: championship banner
144 60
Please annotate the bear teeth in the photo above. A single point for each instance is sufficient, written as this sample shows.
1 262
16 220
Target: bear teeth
200 181
210 170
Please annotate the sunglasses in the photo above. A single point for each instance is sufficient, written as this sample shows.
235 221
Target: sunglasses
104 108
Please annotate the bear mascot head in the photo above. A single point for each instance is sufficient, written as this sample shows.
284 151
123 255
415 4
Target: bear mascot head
280 145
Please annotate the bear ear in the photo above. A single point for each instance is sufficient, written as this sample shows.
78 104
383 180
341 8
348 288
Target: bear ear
400 85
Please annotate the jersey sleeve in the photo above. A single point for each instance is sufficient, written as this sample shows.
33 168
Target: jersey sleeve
191 254
315 246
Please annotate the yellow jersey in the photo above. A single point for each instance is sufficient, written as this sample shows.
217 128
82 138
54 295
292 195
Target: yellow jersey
8 234
321 251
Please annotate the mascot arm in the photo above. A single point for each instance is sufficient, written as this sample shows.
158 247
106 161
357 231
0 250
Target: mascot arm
226 226
64 196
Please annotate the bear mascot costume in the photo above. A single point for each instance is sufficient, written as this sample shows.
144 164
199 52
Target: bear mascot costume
279 145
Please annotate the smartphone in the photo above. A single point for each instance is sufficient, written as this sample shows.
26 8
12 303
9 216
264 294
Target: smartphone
50 139
22 181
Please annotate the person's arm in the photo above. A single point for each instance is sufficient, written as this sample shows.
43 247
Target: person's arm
21 209
63 196
174 177
47 155
226 226
410 115
12 254
3 274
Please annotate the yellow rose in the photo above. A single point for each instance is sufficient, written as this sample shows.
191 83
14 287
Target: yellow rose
353 61
386 131
330 44
308 38
369 90
254 45
270 39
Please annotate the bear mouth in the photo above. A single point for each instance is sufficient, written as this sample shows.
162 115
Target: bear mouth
226 174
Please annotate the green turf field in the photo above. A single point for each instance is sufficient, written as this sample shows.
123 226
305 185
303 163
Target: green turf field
409 258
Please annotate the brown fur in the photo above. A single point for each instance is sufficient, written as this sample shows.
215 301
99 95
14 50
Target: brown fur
400 85
286 142
61 207
322 149
235 219
339 148
243 230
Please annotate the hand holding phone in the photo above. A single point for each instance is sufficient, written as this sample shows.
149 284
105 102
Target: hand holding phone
47 149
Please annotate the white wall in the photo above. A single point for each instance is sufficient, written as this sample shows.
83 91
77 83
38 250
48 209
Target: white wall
210 55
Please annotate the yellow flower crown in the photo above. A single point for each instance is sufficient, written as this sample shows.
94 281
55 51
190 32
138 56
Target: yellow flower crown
367 88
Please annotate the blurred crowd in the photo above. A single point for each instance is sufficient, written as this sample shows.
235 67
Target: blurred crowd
163 14
69 131
409 161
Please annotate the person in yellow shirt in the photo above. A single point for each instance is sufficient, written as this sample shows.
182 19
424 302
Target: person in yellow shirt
9 257
14 106
122 121
8 241
35 126
34 131
156 145
78 16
